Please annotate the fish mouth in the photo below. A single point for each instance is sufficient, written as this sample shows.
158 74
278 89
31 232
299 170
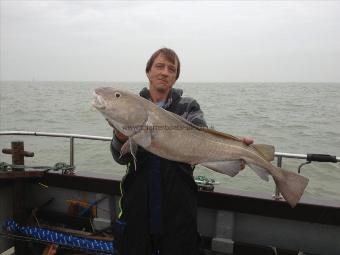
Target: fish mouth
98 102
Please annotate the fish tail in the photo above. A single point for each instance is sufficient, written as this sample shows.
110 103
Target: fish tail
291 186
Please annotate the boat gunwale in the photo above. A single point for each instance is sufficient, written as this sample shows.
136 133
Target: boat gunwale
263 204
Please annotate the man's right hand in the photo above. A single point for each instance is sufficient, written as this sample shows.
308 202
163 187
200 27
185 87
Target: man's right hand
120 136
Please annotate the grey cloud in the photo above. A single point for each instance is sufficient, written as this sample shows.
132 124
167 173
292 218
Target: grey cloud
216 41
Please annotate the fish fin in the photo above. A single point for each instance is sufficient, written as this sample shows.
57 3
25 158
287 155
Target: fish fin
125 148
130 147
291 186
230 168
148 122
190 124
220 134
261 172
265 150
143 138
207 130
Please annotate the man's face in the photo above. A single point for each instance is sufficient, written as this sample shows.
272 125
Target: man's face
162 75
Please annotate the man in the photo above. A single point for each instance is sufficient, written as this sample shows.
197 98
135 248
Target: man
159 198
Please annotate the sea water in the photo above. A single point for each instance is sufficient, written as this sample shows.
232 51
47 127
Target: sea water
294 117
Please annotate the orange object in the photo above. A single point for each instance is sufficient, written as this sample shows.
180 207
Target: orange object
50 249
75 207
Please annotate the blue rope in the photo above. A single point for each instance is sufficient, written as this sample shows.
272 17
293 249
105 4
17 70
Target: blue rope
60 238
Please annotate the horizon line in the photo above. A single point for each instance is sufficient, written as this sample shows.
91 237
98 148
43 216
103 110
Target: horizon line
176 82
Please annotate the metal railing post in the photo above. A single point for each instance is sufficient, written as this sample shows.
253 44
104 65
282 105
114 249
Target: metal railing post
277 195
71 151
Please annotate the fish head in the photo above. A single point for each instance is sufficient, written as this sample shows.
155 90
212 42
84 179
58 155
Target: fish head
124 110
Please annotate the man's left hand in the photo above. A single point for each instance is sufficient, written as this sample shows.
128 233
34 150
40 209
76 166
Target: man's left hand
246 141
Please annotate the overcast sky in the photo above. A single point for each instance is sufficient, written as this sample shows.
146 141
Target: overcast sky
222 41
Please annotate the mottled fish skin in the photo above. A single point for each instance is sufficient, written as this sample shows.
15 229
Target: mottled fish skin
172 137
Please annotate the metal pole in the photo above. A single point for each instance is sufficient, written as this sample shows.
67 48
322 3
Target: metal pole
277 195
72 151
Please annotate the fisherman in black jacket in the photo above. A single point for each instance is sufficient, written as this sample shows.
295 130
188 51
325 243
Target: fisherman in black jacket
159 197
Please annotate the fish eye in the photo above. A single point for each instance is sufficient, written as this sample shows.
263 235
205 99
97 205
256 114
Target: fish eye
117 94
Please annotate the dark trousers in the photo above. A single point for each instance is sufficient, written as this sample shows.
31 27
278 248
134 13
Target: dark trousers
155 244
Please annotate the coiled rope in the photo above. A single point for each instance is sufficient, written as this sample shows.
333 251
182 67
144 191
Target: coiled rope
64 240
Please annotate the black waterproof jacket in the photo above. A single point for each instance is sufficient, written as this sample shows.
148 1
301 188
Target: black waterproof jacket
178 194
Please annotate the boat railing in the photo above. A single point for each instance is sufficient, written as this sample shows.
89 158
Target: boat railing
279 155
71 137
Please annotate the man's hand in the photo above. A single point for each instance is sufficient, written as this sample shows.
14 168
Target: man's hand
246 141
120 136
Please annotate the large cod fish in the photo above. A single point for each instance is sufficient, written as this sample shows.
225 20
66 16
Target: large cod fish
172 137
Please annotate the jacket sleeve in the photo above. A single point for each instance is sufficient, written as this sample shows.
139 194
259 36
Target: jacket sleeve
115 147
195 114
